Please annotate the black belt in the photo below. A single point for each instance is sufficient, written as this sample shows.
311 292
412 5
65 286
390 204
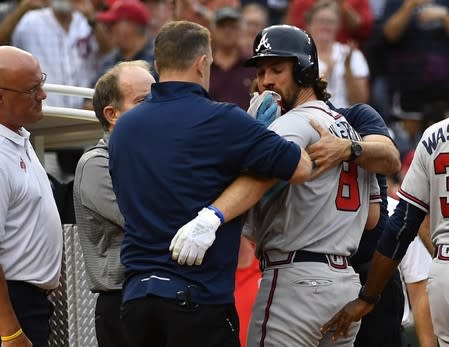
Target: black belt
439 252
335 261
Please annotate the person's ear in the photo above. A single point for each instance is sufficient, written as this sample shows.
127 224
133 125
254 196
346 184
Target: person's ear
110 114
202 65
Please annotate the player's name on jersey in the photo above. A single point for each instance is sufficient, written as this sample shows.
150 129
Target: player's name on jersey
341 128
434 138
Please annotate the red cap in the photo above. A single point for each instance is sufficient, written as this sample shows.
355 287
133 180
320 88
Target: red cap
132 10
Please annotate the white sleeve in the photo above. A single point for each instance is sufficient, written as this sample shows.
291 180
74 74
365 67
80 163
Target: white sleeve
417 194
359 66
415 265
374 189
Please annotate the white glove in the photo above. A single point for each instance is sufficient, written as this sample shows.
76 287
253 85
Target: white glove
194 238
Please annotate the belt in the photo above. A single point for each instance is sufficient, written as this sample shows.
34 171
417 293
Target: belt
273 259
441 252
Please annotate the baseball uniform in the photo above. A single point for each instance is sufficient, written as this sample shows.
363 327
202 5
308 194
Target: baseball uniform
304 235
426 186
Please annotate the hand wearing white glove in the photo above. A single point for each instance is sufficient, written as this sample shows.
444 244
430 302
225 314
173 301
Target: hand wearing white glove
194 238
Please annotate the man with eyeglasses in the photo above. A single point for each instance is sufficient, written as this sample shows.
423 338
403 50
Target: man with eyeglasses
30 227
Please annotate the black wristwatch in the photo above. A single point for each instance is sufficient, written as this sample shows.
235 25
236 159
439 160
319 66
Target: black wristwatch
356 150
372 300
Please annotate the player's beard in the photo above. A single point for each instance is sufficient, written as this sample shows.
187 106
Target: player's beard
290 98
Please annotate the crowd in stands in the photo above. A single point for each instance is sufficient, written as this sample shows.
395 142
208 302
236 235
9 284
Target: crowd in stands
393 55
390 54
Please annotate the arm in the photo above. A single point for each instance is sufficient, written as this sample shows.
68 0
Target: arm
399 233
373 216
397 23
8 320
104 41
246 191
419 302
10 21
357 87
351 18
193 239
424 234
379 154
96 193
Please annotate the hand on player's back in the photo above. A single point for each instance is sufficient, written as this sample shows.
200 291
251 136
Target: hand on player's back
327 152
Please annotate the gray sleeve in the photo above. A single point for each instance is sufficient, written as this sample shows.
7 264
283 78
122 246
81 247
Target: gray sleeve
296 128
96 191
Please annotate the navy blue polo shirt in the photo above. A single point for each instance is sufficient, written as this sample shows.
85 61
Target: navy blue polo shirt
169 157
367 121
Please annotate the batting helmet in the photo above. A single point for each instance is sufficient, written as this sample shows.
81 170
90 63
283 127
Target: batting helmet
288 41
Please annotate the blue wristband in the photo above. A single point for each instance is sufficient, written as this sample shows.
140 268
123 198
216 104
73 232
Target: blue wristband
217 213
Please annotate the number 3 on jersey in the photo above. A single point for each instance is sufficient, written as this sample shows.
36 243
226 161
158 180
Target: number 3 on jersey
348 195
440 163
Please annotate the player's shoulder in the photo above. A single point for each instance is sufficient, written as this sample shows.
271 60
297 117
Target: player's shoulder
434 137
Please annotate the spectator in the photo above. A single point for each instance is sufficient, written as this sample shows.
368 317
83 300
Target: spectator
417 34
180 150
227 68
100 223
343 65
406 127
356 17
128 22
161 12
201 11
11 13
61 38
254 19
30 227
374 50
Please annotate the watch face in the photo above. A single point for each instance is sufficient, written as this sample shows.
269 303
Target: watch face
356 150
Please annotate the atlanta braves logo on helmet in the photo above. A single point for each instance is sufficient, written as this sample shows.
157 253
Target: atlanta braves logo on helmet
263 43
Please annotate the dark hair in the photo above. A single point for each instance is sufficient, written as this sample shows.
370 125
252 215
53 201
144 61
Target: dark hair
179 44
319 87
108 92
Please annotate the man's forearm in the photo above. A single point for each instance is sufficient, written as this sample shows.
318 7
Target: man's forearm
379 155
379 273
241 195
8 320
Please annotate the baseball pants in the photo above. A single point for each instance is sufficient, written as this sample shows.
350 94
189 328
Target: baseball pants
437 287
295 300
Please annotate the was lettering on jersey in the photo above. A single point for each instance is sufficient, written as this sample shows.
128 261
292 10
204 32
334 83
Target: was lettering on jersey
432 141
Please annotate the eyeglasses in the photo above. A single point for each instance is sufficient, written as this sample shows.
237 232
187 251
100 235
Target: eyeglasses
32 91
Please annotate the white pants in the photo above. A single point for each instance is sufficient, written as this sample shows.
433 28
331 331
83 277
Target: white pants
438 290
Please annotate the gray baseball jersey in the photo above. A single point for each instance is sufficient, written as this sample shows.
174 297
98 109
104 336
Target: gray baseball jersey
426 182
426 186
325 215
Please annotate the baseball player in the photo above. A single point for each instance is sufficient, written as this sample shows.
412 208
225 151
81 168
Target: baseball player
304 234
424 190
